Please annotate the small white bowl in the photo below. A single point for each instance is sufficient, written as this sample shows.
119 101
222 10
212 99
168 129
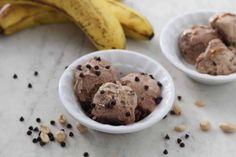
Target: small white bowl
169 45
124 61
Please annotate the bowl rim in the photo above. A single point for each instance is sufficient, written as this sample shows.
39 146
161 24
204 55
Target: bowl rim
124 128
191 72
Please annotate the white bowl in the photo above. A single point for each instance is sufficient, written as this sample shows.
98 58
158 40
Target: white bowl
169 45
124 61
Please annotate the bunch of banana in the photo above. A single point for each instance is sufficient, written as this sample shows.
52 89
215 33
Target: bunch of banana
105 22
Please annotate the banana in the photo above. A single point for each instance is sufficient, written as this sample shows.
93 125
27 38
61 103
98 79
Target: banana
92 16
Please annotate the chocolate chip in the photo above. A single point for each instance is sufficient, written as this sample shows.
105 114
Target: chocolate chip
15 76
66 67
136 79
29 132
30 128
172 112
42 143
62 129
36 129
179 140
108 67
52 122
186 136
81 75
63 144
127 114
36 73
29 85
179 98
151 76
102 92
142 73
159 84
214 63
96 67
71 134
167 137
165 152
38 120
69 126
51 136
146 87
22 119
158 100
164 117
34 140
97 58
182 145
86 154
98 73
79 67
88 66
122 101
113 102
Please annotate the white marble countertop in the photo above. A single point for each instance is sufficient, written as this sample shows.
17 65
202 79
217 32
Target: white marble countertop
48 49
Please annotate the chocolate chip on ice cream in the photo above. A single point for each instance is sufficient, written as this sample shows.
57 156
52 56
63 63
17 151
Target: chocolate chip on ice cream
194 41
116 105
217 59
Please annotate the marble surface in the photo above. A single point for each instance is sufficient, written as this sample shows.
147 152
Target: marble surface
48 49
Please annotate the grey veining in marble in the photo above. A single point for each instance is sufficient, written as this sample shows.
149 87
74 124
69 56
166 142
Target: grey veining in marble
48 49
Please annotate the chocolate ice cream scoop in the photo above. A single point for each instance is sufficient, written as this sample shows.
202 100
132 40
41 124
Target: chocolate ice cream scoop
194 41
225 24
147 89
114 104
217 59
90 76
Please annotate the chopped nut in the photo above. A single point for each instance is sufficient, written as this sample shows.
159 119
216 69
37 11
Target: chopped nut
44 128
177 109
60 136
44 137
228 127
82 129
62 119
200 103
205 125
180 128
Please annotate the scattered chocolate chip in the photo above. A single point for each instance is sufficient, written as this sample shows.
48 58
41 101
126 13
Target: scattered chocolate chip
113 102
97 58
51 137
179 98
15 76
69 126
164 117
36 129
159 84
136 79
142 73
172 112
108 67
35 140
79 67
96 67
186 136
38 120
146 87
29 132
88 66
86 154
127 114
63 144
52 122
62 129
81 75
151 76
167 137
30 128
71 134
165 152
179 140
158 100
36 73
42 143
102 92
22 119
30 85
98 73
181 144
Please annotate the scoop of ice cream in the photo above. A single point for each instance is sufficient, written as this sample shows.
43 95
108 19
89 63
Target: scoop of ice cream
217 59
148 91
114 104
193 41
90 76
225 23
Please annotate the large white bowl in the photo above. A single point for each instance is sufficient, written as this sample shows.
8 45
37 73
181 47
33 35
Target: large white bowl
124 61
169 45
